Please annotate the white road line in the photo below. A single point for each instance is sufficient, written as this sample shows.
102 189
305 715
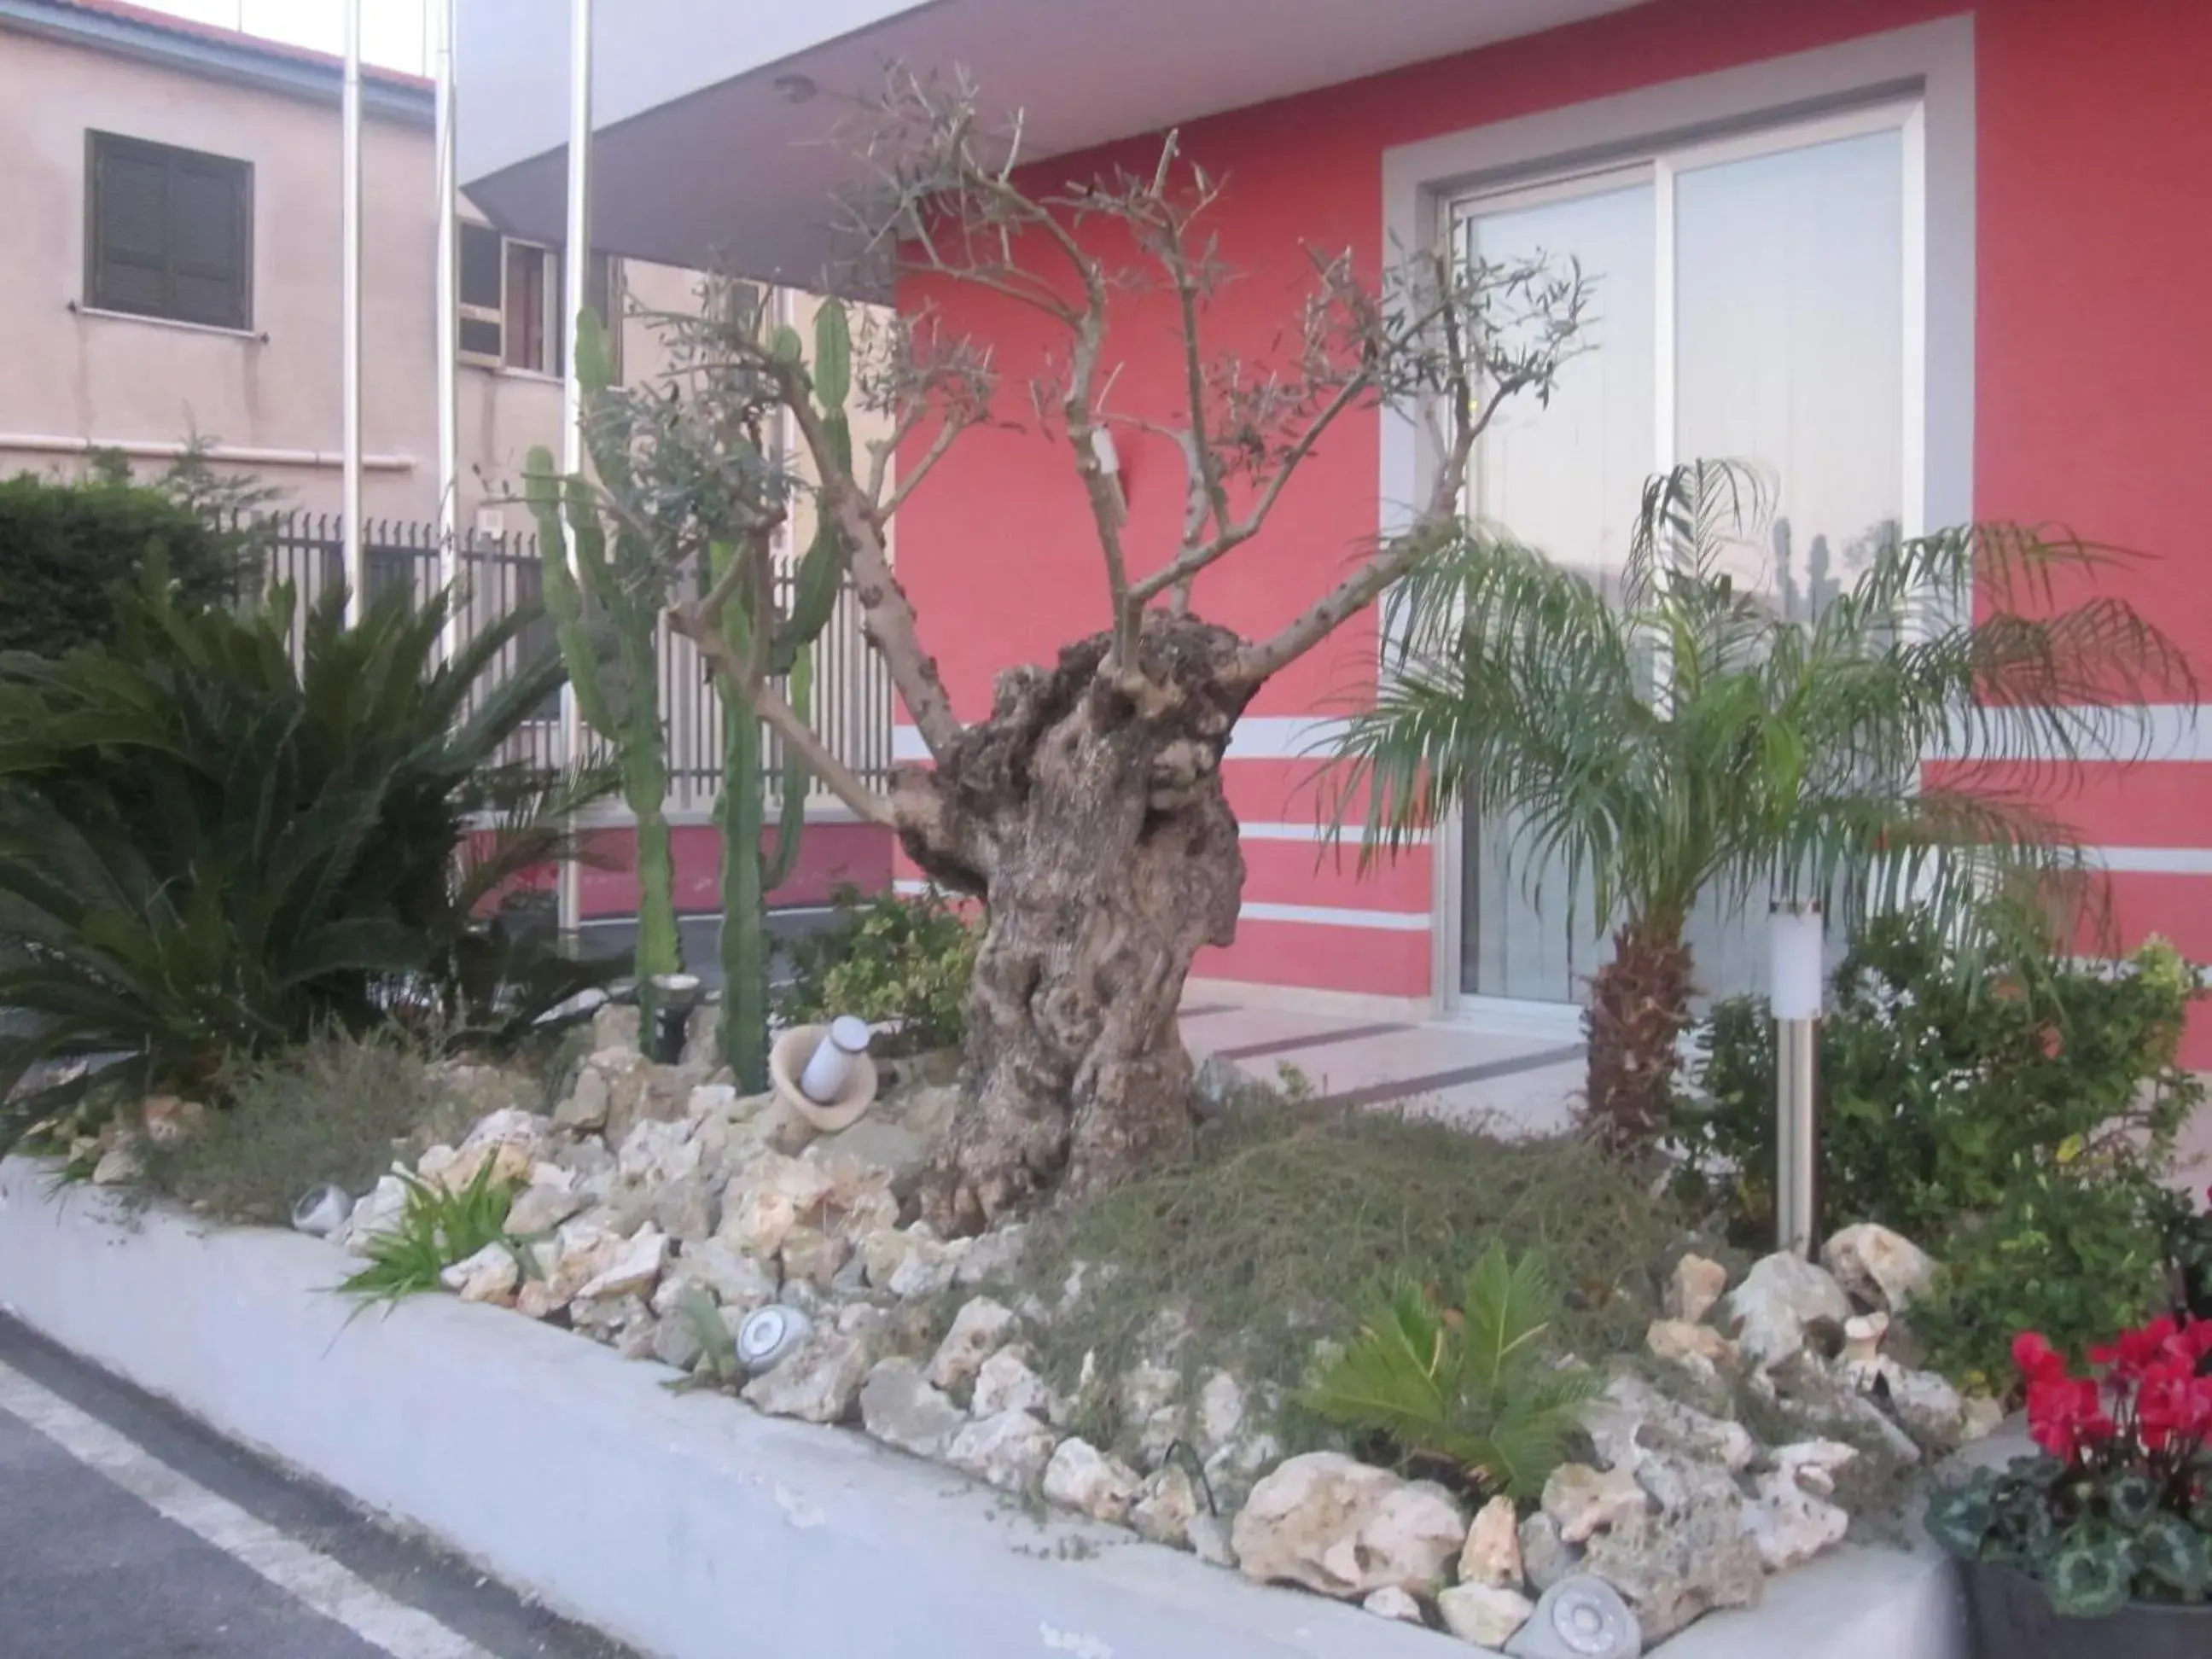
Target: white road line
306 1575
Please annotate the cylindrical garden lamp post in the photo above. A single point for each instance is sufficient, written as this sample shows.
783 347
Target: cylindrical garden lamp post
1795 994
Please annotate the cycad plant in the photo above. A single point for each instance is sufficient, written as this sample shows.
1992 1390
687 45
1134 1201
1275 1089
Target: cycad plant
1473 1386
208 850
1685 739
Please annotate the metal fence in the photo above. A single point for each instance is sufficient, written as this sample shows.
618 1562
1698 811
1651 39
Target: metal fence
852 698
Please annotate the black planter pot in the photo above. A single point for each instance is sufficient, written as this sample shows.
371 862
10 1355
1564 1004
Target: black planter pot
2197 1282
2012 1619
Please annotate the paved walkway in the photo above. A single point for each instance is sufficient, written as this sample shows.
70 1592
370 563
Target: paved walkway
129 1532
1530 1083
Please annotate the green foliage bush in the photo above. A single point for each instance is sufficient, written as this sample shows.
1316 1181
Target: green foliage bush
895 962
2072 1248
1471 1389
64 546
2018 1123
206 852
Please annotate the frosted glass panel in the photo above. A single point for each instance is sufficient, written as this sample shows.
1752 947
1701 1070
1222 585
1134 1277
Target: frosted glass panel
1563 479
1790 318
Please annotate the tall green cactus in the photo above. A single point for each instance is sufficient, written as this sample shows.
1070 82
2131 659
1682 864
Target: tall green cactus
618 694
750 873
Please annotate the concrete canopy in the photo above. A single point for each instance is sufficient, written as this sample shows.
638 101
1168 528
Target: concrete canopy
717 123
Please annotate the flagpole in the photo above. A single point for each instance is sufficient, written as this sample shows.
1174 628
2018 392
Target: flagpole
449 446
350 312
575 268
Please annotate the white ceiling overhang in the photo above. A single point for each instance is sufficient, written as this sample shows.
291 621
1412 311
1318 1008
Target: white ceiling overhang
704 155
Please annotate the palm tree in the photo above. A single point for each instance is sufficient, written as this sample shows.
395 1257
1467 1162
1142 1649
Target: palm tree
1683 738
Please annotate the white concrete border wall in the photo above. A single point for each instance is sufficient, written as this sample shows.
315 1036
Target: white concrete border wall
688 1526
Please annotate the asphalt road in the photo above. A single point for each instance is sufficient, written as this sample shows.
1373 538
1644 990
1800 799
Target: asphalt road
127 1531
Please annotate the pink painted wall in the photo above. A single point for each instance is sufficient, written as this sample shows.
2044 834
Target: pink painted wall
2095 390
830 856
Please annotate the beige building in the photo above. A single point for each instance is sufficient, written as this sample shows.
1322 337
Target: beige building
172 262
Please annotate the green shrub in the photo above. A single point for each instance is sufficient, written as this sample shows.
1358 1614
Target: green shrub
64 546
339 1108
1939 1088
902 963
1472 1389
2021 1128
2072 1249
207 853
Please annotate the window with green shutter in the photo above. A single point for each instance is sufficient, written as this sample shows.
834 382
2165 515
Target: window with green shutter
168 233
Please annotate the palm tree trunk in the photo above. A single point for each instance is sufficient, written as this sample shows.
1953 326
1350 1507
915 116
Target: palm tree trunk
1639 1007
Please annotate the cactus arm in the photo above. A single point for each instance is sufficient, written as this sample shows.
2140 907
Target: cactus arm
740 814
564 601
822 572
625 711
791 816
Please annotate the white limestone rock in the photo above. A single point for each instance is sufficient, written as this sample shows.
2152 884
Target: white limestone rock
820 1382
1883 1269
1584 1501
1346 1528
900 1408
1080 1477
1008 1451
1006 1384
1777 1299
979 1329
1491 1554
1484 1615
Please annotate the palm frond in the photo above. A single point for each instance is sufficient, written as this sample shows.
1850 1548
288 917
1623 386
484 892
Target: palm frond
1685 737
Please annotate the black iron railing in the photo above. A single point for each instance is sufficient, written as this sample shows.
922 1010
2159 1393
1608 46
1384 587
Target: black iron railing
851 699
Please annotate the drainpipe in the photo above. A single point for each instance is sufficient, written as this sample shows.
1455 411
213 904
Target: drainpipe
350 312
449 446
575 268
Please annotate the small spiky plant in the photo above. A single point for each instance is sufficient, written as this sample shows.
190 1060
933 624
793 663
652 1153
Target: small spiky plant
1473 1386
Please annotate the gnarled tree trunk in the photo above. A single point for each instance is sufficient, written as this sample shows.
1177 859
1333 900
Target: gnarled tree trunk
1639 1007
1088 811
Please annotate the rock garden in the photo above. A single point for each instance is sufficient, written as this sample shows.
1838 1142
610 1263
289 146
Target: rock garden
1505 1387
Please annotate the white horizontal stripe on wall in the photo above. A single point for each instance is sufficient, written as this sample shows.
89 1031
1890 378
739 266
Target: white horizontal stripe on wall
2169 731
1284 737
1257 737
2153 861
2165 732
1316 832
1332 915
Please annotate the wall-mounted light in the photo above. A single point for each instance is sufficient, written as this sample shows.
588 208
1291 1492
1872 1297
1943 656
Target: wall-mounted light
794 89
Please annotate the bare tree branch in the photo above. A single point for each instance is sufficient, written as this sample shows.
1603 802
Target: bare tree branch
1474 346
887 613
910 476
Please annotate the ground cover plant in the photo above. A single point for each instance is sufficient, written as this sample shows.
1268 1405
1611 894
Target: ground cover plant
1276 1236
339 1108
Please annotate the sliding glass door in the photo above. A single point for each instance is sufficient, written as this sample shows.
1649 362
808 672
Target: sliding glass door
1757 298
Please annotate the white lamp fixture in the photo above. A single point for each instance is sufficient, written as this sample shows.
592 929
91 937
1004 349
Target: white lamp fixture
1794 991
831 1065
